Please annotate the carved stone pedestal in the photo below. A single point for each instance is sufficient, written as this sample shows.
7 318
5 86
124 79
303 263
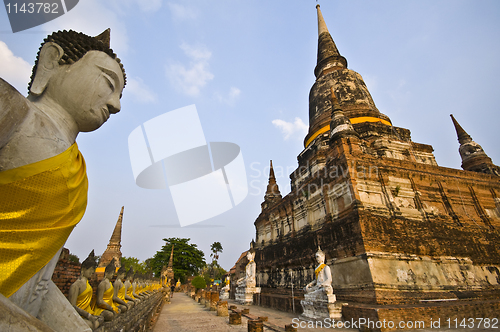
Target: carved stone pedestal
318 306
244 295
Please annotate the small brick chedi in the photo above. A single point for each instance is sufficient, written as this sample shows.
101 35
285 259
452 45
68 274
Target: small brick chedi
403 237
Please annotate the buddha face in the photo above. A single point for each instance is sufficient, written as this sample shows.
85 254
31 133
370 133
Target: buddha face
89 90
88 272
320 258
109 274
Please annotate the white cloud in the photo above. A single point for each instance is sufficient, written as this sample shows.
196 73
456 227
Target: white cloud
297 128
14 70
230 98
192 78
181 13
140 91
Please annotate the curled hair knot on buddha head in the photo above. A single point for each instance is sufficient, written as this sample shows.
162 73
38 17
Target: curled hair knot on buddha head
110 267
75 45
90 261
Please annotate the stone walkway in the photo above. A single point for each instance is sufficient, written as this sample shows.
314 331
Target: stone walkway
183 314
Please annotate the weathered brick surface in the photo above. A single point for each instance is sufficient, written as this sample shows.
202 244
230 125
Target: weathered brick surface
65 272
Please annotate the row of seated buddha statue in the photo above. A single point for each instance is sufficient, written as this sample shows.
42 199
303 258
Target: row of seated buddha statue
112 299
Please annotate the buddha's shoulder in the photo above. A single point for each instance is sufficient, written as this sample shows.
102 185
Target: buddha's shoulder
13 109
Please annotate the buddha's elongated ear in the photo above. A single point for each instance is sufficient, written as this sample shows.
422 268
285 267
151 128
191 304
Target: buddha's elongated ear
48 62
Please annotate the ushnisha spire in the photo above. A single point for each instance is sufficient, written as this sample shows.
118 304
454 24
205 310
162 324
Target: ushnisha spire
328 54
272 191
473 156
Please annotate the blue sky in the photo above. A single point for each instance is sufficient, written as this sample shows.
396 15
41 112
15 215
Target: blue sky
248 67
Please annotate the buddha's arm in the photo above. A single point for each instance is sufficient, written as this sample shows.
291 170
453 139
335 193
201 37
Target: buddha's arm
74 291
116 289
100 301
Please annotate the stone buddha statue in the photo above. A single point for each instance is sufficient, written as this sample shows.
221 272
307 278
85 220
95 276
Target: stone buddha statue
129 288
136 287
323 282
80 293
119 291
105 306
249 279
76 84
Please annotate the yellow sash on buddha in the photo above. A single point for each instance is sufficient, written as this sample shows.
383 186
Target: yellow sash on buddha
121 294
108 298
319 269
130 291
83 300
40 204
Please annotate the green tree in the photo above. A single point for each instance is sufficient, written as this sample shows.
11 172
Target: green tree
136 264
188 259
198 283
216 247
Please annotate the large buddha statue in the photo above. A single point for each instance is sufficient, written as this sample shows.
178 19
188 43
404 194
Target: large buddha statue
119 291
323 282
249 279
105 306
129 288
80 292
76 84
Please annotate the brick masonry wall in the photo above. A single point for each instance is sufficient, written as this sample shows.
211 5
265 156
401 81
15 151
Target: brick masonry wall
65 272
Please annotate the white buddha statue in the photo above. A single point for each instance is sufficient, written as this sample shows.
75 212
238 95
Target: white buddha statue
323 281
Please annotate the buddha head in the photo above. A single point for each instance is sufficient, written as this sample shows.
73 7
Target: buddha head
109 271
89 265
320 256
120 274
79 74
130 274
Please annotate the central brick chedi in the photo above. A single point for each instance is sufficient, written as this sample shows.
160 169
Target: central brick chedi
396 228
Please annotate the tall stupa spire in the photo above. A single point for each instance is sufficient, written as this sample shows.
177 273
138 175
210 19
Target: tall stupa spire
114 245
352 93
272 191
473 156
329 57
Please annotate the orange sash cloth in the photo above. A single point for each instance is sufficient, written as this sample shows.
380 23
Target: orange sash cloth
40 204
108 298
130 292
83 300
121 294
319 269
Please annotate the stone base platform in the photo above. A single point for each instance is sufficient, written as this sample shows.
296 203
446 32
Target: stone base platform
244 295
318 306
432 314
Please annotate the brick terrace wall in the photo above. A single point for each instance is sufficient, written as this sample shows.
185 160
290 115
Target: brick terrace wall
65 272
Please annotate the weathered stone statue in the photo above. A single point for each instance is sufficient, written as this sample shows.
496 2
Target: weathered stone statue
249 279
246 285
323 282
76 84
136 287
105 306
224 292
129 288
119 291
80 293
319 301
